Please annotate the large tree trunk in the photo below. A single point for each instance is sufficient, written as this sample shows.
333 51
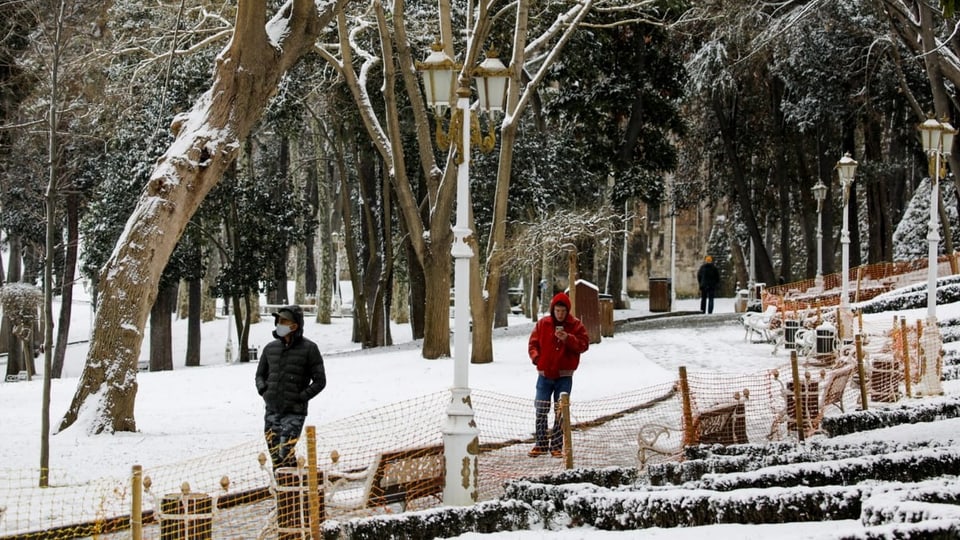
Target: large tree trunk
776 90
436 272
727 130
482 305
325 245
418 293
161 329
66 290
194 309
8 342
247 74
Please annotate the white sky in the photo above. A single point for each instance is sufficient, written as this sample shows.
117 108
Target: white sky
190 412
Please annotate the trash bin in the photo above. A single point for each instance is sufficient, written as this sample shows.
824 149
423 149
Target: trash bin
588 308
826 341
606 315
660 294
790 328
740 303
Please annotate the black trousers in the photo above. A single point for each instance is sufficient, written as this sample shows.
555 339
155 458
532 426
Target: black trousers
706 299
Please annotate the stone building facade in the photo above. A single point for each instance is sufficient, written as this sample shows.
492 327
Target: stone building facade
654 251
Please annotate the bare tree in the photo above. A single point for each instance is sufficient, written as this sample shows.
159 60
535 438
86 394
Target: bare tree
534 52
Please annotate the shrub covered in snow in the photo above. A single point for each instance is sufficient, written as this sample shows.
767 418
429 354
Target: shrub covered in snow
484 517
913 297
926 411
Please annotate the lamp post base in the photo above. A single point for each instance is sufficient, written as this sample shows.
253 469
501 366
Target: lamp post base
461 445
931 366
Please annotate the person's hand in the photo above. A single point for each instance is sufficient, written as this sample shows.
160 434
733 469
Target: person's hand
560 333
533 359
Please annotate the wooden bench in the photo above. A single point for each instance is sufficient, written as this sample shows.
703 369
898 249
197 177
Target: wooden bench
722 423
395 477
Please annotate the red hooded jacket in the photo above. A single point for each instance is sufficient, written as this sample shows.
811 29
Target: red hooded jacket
554 357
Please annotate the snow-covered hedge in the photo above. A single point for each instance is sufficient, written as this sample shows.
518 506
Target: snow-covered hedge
484 517
935 499
601 476
857 421
914 296
718 459
689 508
912 466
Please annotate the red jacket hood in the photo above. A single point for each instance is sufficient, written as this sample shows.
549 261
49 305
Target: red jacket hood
560 298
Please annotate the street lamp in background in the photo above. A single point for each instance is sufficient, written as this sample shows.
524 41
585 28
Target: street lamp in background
846 167
439 71
937 143
819 194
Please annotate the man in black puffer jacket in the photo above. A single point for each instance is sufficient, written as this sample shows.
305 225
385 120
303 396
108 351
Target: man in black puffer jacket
290 374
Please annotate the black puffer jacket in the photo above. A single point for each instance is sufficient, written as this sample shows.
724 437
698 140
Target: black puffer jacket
290 373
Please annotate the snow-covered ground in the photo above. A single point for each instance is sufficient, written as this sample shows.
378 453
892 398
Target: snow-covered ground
190 412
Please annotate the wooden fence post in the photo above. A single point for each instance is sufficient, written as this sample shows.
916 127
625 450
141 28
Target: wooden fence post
136 507
688 435
567 435
314 496
861 373
904 336
797 395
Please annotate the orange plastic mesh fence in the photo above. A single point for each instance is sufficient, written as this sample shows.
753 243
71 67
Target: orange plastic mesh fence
390 459
864 282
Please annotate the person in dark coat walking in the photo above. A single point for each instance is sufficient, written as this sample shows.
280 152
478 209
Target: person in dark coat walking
708 277
555 345
290 374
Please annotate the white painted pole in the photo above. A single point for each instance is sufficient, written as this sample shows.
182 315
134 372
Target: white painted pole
460 434
819 279
623 266
845 245
933 241
673 257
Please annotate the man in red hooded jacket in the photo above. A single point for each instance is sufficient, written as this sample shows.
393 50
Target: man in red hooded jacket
555 346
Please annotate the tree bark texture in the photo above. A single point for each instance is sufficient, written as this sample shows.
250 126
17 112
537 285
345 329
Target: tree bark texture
246 77
66 290
161 329
194 309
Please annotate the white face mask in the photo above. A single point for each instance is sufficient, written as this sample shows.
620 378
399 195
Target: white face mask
282 330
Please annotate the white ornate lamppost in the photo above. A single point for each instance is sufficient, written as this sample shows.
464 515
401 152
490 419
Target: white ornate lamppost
846 167
937 138
460 434
819 194
937 143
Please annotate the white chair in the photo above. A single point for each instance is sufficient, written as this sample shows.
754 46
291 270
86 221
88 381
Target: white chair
760 324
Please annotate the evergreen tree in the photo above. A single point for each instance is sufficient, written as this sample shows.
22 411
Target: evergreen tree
910 237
